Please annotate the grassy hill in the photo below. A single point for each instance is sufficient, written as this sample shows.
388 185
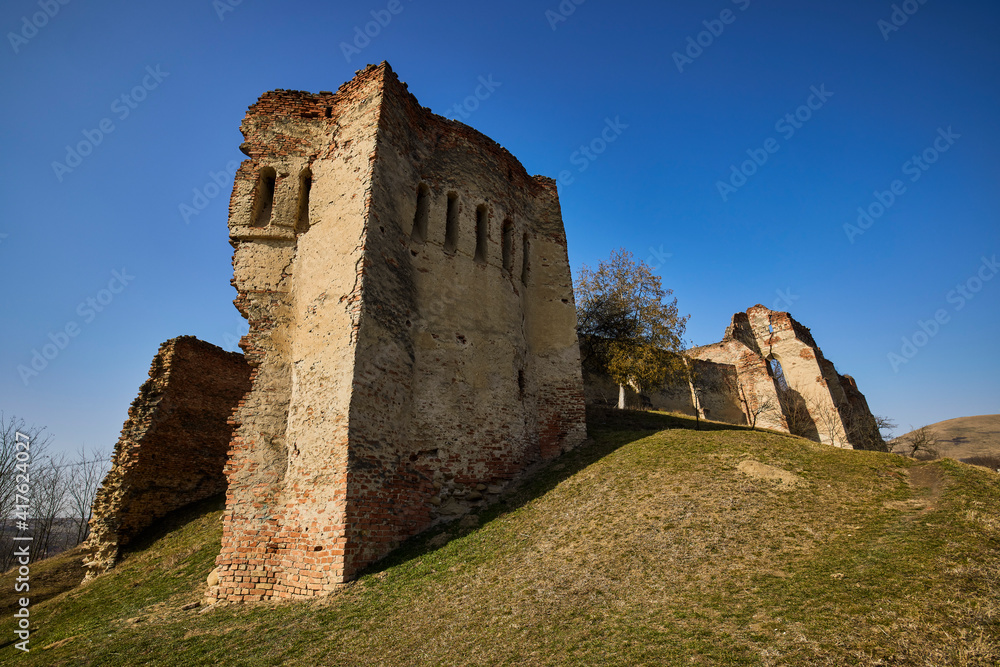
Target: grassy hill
654 544
967 437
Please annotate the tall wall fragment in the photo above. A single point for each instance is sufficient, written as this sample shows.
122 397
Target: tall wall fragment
767 371
173 446
412 332
778 362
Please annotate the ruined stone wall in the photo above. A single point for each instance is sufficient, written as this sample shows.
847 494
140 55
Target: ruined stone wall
403 372
812 399
173 445
755 386
714 390
717 387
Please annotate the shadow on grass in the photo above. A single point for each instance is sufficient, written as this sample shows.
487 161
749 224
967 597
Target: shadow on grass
616 429
171 522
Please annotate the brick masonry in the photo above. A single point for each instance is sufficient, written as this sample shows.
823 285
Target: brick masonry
173 446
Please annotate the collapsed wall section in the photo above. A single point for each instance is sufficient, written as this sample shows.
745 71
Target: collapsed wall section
173 446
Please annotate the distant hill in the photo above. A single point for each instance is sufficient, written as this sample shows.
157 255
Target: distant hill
652 544
966 437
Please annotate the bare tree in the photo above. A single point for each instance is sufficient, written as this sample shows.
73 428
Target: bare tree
48 502
85 478
21 446
756 406
885 427
917 441
830 420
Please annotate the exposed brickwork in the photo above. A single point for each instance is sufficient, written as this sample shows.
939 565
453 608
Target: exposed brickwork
818 402
173 447
399 379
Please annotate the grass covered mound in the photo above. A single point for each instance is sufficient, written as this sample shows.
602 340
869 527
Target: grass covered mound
652 544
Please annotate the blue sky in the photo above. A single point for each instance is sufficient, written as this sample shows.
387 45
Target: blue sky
694 90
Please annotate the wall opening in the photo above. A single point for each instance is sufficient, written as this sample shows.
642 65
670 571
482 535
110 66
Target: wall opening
482 232
451 223
305 185
419 233
774 366
520 384
263 200
508 246
525 252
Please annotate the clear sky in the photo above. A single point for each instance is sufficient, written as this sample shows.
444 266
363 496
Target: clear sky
728 143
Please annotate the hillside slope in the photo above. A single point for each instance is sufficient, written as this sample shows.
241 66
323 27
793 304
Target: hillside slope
712 547
966 437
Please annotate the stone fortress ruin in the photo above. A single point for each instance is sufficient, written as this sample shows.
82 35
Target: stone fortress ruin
412 348
768 372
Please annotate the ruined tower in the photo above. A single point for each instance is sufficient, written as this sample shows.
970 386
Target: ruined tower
777 362
412 332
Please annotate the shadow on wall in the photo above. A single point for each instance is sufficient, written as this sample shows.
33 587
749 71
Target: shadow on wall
797 416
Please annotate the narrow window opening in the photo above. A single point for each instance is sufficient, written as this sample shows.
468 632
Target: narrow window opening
419 233
263 197
305 185
327 112
525 248
508 246
778 373
482 232
451 223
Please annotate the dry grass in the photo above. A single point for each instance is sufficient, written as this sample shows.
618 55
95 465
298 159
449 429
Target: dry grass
643 547
966 437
